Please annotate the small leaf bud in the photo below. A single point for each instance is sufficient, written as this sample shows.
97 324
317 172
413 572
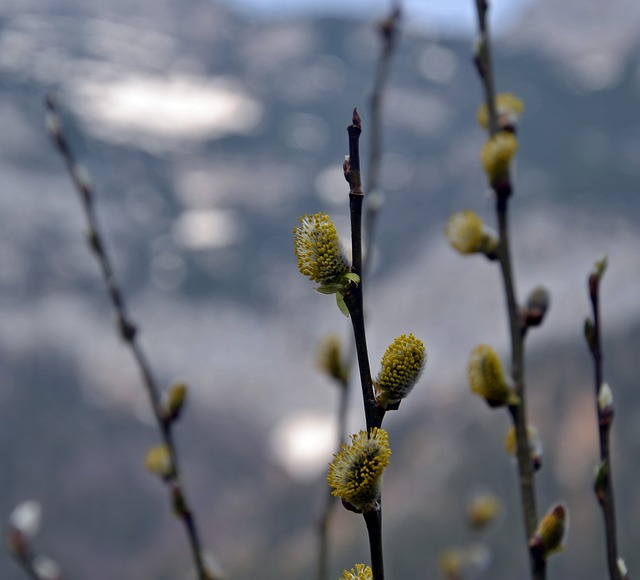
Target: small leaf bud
178 502
590 333
597 272
552 531
605 405
174 401
330 361
535 445
537 305
622 569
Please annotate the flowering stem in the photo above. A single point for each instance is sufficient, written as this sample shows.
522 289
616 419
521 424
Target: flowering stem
354 301
128 332
518 412
604 489
388 29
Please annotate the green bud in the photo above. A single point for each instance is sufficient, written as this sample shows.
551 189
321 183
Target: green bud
601 480
158 461
590 333
551 534
175 398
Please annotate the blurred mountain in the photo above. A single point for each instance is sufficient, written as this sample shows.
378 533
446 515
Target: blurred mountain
206 135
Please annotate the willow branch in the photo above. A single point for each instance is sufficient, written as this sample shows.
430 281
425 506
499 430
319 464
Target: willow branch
483 61
604 481
354 301
128 332
388 30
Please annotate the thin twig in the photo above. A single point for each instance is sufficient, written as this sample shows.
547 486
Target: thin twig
128 332
604 482
518 412
354 301
388 30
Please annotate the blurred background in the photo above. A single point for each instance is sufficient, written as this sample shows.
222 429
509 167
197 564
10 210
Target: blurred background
208 127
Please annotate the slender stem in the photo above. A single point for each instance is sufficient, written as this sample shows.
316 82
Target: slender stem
373 519
354 301
604 491
354 298
128 332
388 29
485 66
518 412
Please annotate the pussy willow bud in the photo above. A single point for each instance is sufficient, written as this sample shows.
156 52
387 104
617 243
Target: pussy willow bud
468 234
158 461
361 572
46 568
622 569
496 155
24 524
330 360
509 109
552 531
355 474
482 510
487 378
175 398
535 445
537 305
465 562
402 364
605 405
321 257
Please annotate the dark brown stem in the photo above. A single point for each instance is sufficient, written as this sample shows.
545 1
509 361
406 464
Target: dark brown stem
388 29
518 412
355 303
604 489
128 332
373 519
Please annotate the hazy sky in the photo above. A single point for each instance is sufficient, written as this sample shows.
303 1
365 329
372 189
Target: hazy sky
452 15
